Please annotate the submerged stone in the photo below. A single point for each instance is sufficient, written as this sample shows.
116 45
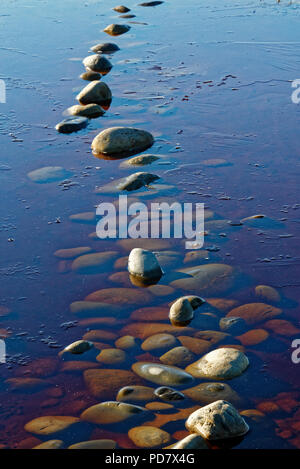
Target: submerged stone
159 342
90 111
168 394
91 76
191 442
105 48
94 263
95 444
254 313
162 374
206 393
136 181
110 412
116 29
50 424
148 437
49 174
71 124
135 393
143 263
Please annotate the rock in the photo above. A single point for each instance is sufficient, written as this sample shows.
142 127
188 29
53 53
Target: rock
206 393
104 383
121 141
150 4
267 293
215 163
196 256
142 160
222 304
50 444
49 174
195 301
168 394
195 345
159 406
99 334
181 312
96 92
162 374
71 124
233 325
161 290
152 313
144 330
120 296
112 356
135 394
149 244
136 181
148 437
77 366
253 337
168 260
105 48
26 384
191 442
262 222
121 9
253 414
72 252
40 368
127 16
78 347
142 263
214 337
107 413
97 63
254 313
222 363
206 279
177 356
282 327
93 308
127 342
91 76
158 343
90 111
95 444
217 421
116 29
94 263
49 424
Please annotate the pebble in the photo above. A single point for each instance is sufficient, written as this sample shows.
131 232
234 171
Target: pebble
116 29
107 413
93 308
104 383
50 444
181 312
195 345
282 327
206 393
135 394
142 330
96 92
26 384
121 9
91 76
120 296
127 342
142 160
162 374
121 140
222 363
148 437
49 174
253 337
71 253
95 444
233 325
78 347
168 394
150 4
267 293
91 111
159 343
71 124
99 334
143 263
111 356
191 442
94 263
217 421
254 313
177 356
97 63
105 48
136 181
50 424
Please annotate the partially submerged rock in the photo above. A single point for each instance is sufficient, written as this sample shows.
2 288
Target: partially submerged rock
121 9
136 181
143 263
181 312
90 111
110 412
91 76
78 347
120 140
148 437
97 63
191 442
168 394
71 124
96 92
49 424
105 48
48 174
162 374
116 29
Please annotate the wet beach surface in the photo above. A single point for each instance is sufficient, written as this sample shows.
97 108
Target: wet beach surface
212 83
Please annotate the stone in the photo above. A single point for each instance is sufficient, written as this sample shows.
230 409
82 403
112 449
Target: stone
105 48
99 334
94 263
91 111
150 4
49 174
148 437
142 160
78 347
26 384
282 327
168 394
196 256
158 343
161 290
121 9
191 442
177 356
97 63
95 444
159 406
91 76
181 312
254 313
233 325
253 337
116 29
49 424
104 383
149 244
93 308
142 330
120 296
110 412
195 345
96 92
116 141
111 356
143 263
262 222
71 124
50 444
152 313
77 366
217 421
127 342
162 374
206 393
71 253
253 414
222 363
222 304
214 337
39 368
135 394
267 293
136 181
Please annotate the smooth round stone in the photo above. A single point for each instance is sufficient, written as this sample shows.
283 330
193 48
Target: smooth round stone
94 263
177 356
121 140
150 4
181 312
49 174
51 444
159 406
39 368
97 63
116 29
50 424
191 442
77 366
71 124
110 412
78 347
152 313
206 279
254 313
72 252
168 394
142 330
93 309
222 304
135 393
91 76
159 342
120 296
267 293
206 393
162 374
95 444
282 327
121 278
161 290
111 356
253 414
104 383
26 384
233 325
96 92
253 337
90 111
121 9
136 181
214 337
127 342
141 160
148 437
105 48
149 244
195 345
127 16
99 334
222 363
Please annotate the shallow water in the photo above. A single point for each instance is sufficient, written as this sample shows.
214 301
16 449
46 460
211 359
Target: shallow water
210 81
